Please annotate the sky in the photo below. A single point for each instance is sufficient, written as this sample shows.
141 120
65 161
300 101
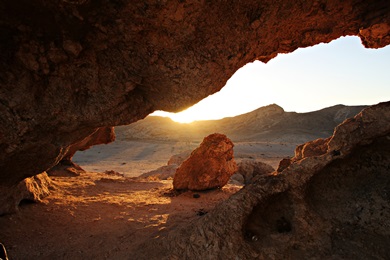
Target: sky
308 79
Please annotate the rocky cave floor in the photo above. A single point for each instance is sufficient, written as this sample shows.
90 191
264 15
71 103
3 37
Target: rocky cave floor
99 216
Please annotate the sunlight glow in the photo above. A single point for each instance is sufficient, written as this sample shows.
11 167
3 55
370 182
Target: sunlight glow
341 72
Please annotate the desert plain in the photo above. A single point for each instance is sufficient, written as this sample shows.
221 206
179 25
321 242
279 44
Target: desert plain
107 212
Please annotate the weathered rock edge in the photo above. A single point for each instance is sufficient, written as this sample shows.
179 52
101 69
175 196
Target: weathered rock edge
68 68
334 205
32 189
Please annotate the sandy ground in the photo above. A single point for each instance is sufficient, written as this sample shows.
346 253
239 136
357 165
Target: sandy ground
96 216
133 158
100 216
267 152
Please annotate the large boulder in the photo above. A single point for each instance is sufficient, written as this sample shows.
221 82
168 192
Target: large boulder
210 165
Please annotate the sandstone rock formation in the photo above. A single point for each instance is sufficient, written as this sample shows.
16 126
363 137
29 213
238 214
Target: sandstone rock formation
103 135
312 148
30 189
324 206
283 164
251 168
66 167
210 165
68 68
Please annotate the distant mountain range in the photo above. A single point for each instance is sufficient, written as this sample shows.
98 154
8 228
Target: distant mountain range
266 124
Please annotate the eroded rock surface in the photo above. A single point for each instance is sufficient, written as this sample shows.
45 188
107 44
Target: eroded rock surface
249 169
325 206
209 166
70 67
312 148
32 189
66 167
103 135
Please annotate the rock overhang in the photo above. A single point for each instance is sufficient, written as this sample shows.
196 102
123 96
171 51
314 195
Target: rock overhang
71 67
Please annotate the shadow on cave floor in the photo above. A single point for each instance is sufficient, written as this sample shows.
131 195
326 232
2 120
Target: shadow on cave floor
96 216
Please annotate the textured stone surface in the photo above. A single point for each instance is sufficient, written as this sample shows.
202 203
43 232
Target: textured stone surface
209 166
313 148
283 164
70 67
103 135
330 206
31 189
251 168
66 168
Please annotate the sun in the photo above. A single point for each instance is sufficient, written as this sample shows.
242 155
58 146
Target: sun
238 96
341 72
183 117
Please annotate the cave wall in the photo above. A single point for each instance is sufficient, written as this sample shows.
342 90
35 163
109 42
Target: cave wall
69 67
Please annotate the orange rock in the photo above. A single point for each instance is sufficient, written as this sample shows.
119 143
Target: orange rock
102 135
312 148
284 163
209 166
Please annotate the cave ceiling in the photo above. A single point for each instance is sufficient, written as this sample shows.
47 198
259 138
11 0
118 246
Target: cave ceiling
69 67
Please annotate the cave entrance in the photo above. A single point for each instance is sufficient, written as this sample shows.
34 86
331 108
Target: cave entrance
310 79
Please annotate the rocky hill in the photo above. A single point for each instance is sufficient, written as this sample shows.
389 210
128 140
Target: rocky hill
269 123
